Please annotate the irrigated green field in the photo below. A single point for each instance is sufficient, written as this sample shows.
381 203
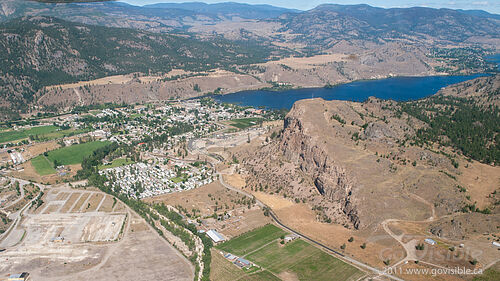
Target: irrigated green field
252 240
70 155
245 123
42 133
74 154
42 165
305 261
296 260
7 136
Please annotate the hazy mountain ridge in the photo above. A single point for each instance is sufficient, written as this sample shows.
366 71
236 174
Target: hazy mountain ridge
331 22
228 9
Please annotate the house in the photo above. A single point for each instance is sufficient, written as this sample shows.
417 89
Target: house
496 244
230 257
18 276
291 237
241 262
430 241
215 236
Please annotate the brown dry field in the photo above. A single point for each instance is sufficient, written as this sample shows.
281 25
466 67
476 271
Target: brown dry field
30 174
62 195
223 270
117 79
70 202
243 220
80 202
107 205
440 253
310 62
235 180
480 180
119 207
52 208
94 202
301 218
423 277
34 150
199 198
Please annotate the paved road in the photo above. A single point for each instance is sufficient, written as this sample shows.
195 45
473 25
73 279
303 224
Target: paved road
12 235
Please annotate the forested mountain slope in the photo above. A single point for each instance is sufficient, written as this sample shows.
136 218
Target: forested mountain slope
41 51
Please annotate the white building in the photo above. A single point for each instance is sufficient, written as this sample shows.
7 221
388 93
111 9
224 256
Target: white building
215 236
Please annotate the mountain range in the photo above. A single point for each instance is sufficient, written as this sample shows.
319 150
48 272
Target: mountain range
54 43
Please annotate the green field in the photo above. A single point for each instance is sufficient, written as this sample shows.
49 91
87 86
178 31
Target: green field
42 133
117 163
70 155
42 165
74 154
61 133
490 274
252 240
306 262
7 136
245 122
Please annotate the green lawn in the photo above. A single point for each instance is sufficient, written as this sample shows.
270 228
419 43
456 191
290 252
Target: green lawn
74 154
42 165
298 257
42 132
117 163
305 260
252 240
11 135
490 274
245 122
261 275
62 133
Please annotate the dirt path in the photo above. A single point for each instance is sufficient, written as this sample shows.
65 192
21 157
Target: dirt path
79 95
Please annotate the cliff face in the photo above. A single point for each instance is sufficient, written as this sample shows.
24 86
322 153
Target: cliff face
331 180
358 164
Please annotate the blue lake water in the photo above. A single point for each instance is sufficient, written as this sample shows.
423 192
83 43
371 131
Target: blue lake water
399 89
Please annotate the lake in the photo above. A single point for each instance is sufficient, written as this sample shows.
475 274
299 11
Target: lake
398 88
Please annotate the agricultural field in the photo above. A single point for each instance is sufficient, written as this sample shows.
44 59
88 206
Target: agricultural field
245 122
252 240
296 260
117 163
224 270
40 133
74 154
42 165
70 155
61 133
303 260
11 135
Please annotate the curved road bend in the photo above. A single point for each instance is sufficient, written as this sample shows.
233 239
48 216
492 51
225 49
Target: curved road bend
328 249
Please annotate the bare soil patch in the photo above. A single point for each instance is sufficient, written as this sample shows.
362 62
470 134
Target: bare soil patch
94 202
80 203
71 200
206 199
107 205
481 180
